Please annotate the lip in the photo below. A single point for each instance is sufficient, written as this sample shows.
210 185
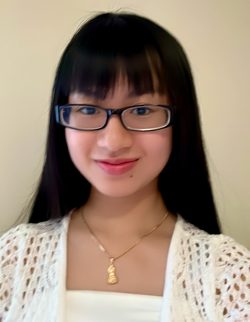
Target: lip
116 166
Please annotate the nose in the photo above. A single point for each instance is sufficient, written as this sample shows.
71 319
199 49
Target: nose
114 137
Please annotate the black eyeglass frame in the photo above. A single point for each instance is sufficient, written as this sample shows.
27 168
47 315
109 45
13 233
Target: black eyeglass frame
110 112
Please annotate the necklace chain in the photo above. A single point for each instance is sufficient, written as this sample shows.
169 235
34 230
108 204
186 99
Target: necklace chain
112 277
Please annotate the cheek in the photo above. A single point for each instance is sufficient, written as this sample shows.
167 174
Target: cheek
160 146
78 143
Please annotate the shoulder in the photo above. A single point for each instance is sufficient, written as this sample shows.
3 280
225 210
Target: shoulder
25 232
222 246
24 237
228 265
18 242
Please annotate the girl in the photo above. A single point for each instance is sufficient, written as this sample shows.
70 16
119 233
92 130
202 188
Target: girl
123 225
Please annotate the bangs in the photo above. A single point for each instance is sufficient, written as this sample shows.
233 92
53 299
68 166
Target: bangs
98 56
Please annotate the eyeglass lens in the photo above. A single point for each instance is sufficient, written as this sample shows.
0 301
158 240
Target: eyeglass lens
135 117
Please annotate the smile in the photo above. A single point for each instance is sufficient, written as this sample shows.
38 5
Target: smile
116 167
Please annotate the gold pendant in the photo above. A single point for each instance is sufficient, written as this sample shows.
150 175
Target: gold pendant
112 278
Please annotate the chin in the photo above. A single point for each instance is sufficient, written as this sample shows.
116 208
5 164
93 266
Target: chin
115 193
125 189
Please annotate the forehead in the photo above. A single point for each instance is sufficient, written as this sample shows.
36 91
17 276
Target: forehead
121 87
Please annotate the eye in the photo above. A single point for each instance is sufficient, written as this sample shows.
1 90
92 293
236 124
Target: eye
141 110
88 110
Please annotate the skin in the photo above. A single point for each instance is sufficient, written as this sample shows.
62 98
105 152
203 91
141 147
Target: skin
121 207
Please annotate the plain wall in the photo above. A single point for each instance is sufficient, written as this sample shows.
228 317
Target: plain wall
216 37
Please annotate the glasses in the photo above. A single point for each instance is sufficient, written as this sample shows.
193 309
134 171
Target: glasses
85 117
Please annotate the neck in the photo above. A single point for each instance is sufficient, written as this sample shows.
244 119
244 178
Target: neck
126 215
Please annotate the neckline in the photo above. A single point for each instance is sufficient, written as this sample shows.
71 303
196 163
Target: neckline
118 294
169 257
167 287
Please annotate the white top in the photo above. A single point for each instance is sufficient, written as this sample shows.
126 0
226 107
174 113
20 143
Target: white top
207 276
95 306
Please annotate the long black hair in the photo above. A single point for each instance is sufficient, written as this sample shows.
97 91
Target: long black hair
108 45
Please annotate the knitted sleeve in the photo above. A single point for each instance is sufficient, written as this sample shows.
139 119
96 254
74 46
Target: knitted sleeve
233 281
8 262
27 254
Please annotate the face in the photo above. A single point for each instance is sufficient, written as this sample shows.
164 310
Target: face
118 162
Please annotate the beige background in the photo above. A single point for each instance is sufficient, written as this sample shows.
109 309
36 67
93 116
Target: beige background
216 37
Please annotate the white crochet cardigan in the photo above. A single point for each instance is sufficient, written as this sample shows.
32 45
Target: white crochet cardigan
207 276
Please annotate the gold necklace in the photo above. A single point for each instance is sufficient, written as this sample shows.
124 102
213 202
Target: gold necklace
112 276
